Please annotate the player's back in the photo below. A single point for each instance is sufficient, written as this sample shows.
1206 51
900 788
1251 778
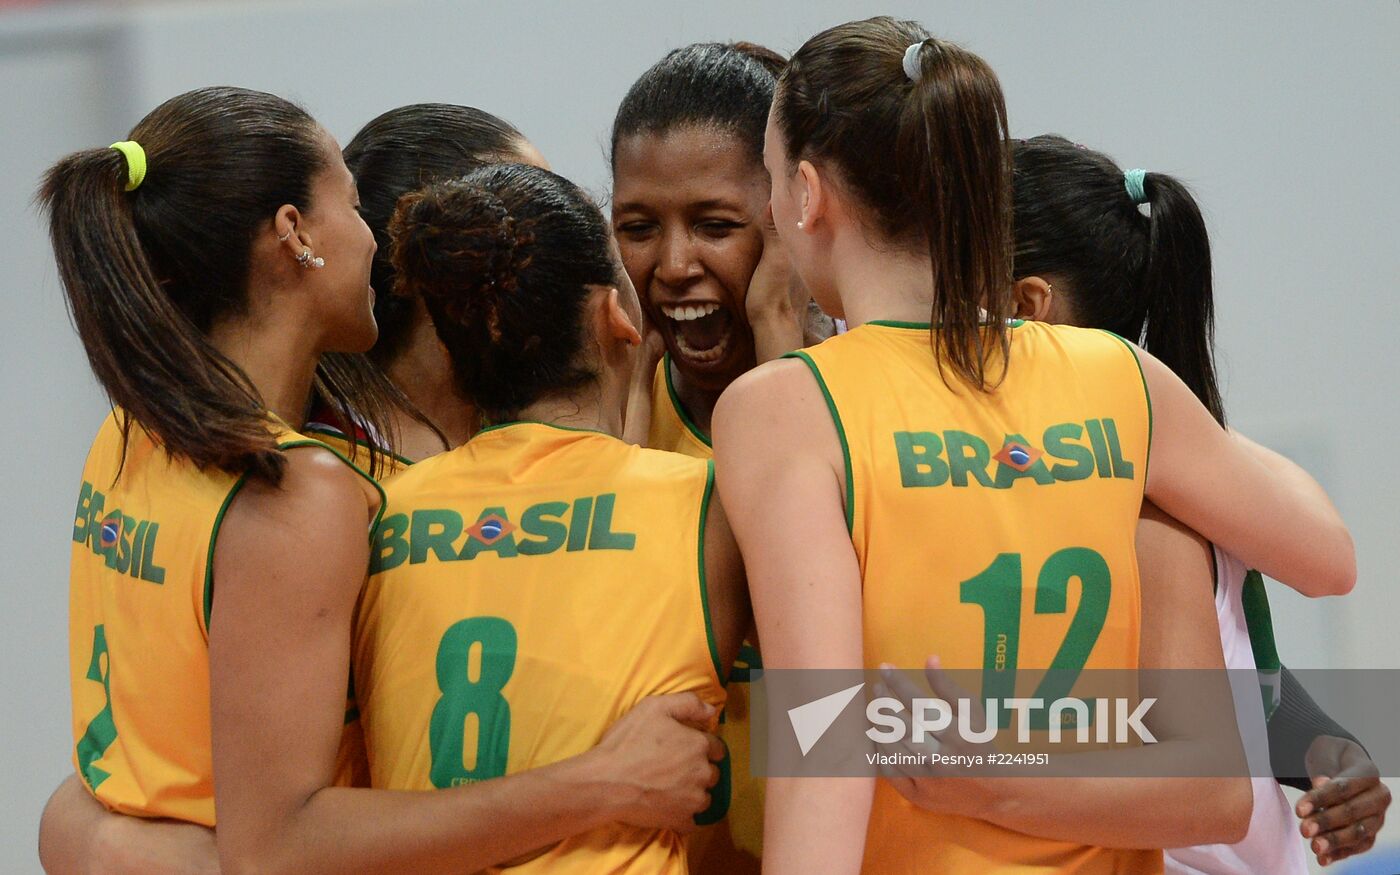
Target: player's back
527 589
994 530
140 595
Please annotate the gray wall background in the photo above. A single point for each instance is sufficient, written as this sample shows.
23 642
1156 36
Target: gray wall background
1282 115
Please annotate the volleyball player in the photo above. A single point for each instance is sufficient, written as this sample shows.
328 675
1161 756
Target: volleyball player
397 152
1086 255
871 475
533 584
209 261
690 196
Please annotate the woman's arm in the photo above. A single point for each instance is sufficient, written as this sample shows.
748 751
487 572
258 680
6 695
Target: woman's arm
288 568
1219 487
1179 632
779 471
79 836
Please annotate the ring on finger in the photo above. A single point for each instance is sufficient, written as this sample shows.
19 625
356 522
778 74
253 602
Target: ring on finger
1361 829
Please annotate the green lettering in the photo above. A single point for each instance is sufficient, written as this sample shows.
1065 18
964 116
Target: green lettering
1096 440
600 535
94 524
1007 475
919 462
546 521
1058 444
110 553
433 530
102 731
137 542
389 548
123 549
503 547
578 523
80 517
960 464
1123 470
150 571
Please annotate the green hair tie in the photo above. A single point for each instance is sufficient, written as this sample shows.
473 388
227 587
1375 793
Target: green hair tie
1133 181
135 162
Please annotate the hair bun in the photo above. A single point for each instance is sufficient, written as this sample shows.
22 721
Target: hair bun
459 243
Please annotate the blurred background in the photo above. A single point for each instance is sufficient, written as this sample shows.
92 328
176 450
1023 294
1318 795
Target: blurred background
1284 116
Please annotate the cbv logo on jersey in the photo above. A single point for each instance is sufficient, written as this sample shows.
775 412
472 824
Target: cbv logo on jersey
441 534
1068 451
128 544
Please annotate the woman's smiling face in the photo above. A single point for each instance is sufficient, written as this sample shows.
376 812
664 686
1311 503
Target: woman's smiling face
688 207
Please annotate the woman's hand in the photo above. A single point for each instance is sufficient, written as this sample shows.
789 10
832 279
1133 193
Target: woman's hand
776 303
943 789
1346 808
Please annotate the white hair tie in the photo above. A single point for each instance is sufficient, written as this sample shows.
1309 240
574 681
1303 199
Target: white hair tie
912 67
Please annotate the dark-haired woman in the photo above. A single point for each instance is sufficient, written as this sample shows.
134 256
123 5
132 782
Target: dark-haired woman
905 488
533 584
397 152
209 262
690 196
1087 255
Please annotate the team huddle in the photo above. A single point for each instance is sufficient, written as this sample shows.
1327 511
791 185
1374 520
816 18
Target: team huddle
424 474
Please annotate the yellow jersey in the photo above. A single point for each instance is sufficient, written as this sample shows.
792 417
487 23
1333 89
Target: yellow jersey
356 450
734 845
996 530
139 598
526 590
672 429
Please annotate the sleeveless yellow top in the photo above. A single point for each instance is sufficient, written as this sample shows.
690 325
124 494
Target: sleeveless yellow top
139 600
733 846
526 590
997 531
671 426
357 451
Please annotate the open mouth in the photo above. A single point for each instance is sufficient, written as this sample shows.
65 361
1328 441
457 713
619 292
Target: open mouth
702 331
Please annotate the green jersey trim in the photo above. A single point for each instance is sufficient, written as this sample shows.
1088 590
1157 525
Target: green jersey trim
840 433
681 413
502 425
1146 394
704 580
1259 622
330 431
214 539
238 486
927 326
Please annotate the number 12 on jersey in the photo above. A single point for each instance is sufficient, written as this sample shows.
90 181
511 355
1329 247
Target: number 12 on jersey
997 590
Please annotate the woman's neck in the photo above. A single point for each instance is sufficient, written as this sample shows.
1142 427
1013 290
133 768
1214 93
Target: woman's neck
583 409
875 284
423 372
278 359
697 401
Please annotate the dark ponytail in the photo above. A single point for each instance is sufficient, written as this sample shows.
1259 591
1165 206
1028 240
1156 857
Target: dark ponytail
148 273
927 158
1144 277
503 259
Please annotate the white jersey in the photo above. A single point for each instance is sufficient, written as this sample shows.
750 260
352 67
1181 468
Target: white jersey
1273 843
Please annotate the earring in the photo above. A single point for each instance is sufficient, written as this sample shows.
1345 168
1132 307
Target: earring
305 260
801 225
285 237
